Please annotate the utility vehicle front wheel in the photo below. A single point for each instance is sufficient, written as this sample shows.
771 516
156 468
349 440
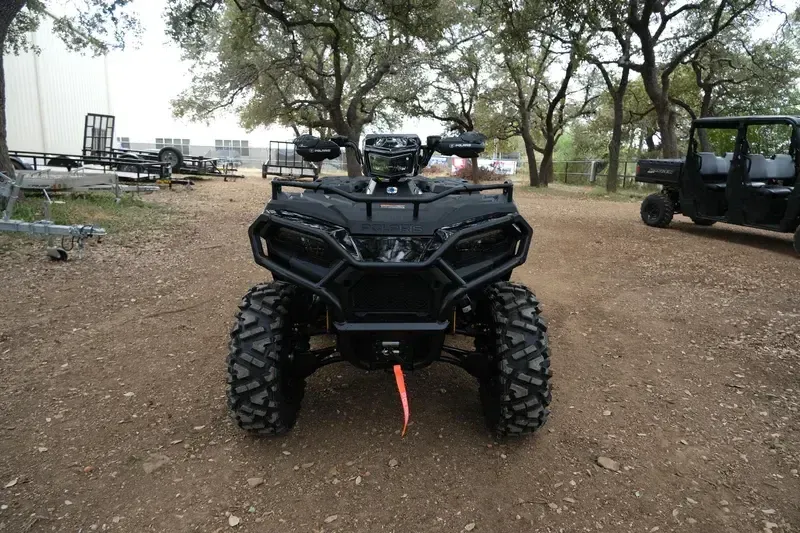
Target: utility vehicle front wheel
657 210
516 396
263 393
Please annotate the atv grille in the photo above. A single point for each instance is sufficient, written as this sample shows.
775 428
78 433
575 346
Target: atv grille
391 293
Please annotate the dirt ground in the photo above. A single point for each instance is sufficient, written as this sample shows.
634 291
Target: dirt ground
675 353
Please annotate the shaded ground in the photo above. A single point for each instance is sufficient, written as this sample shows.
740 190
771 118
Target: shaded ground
675 353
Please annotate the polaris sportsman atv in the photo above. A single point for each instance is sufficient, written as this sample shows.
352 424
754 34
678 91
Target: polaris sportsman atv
392 265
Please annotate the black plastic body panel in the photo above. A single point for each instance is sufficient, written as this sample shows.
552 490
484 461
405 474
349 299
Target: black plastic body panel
337 283
659 171
406 305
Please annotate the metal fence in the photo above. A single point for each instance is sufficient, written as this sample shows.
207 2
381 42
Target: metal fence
593 172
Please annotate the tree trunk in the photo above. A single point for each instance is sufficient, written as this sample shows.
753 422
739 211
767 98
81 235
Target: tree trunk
705 111
8 10
546 166
612 175
666 127
353 167
474 173
5 162
705 143
658 92
527 139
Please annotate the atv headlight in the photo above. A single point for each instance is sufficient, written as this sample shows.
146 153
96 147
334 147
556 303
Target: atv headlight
444 233
393 249
494 243
482 242
387 166
346 241
311 244
302 245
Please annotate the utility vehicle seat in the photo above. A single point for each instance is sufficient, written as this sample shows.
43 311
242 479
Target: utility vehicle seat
774 191
712 165
781 167
757 167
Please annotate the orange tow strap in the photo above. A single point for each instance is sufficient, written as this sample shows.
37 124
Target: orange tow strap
401 388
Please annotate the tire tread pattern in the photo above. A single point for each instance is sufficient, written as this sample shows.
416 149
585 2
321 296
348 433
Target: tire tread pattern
667 210
263 397
516 399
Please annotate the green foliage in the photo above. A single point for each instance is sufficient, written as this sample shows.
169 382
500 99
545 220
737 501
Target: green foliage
94 25
324 65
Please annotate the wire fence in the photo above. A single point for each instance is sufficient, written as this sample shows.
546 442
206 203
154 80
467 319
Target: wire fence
594 172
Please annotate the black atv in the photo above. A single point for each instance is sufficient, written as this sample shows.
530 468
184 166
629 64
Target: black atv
391 265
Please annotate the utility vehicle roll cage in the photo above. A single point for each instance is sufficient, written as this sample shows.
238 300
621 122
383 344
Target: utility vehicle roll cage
740 124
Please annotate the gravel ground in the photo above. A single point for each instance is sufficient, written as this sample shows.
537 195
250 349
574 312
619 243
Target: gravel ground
675 354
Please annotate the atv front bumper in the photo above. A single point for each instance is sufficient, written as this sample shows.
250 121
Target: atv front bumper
364 296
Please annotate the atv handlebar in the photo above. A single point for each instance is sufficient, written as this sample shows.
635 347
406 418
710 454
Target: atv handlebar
467 145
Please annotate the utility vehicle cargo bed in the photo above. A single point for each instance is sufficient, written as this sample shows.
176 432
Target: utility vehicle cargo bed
661 171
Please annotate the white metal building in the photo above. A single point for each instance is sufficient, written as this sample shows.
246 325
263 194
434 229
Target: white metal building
48 95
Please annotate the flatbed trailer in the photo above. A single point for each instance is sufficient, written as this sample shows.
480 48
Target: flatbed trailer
283 161
126 170
98 142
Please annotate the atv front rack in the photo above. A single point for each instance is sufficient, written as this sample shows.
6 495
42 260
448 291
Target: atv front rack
368 199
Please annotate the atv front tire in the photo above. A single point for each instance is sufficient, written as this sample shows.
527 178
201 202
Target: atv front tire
516 396
797 240
657 210
264 394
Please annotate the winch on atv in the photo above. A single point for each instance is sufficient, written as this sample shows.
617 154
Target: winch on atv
392 265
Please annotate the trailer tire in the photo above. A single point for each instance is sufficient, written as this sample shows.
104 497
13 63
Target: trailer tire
63 161
171 155
797 240
516 395
264 393
657 210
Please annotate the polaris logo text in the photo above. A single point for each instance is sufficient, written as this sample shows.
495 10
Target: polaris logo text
392 228
659 171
